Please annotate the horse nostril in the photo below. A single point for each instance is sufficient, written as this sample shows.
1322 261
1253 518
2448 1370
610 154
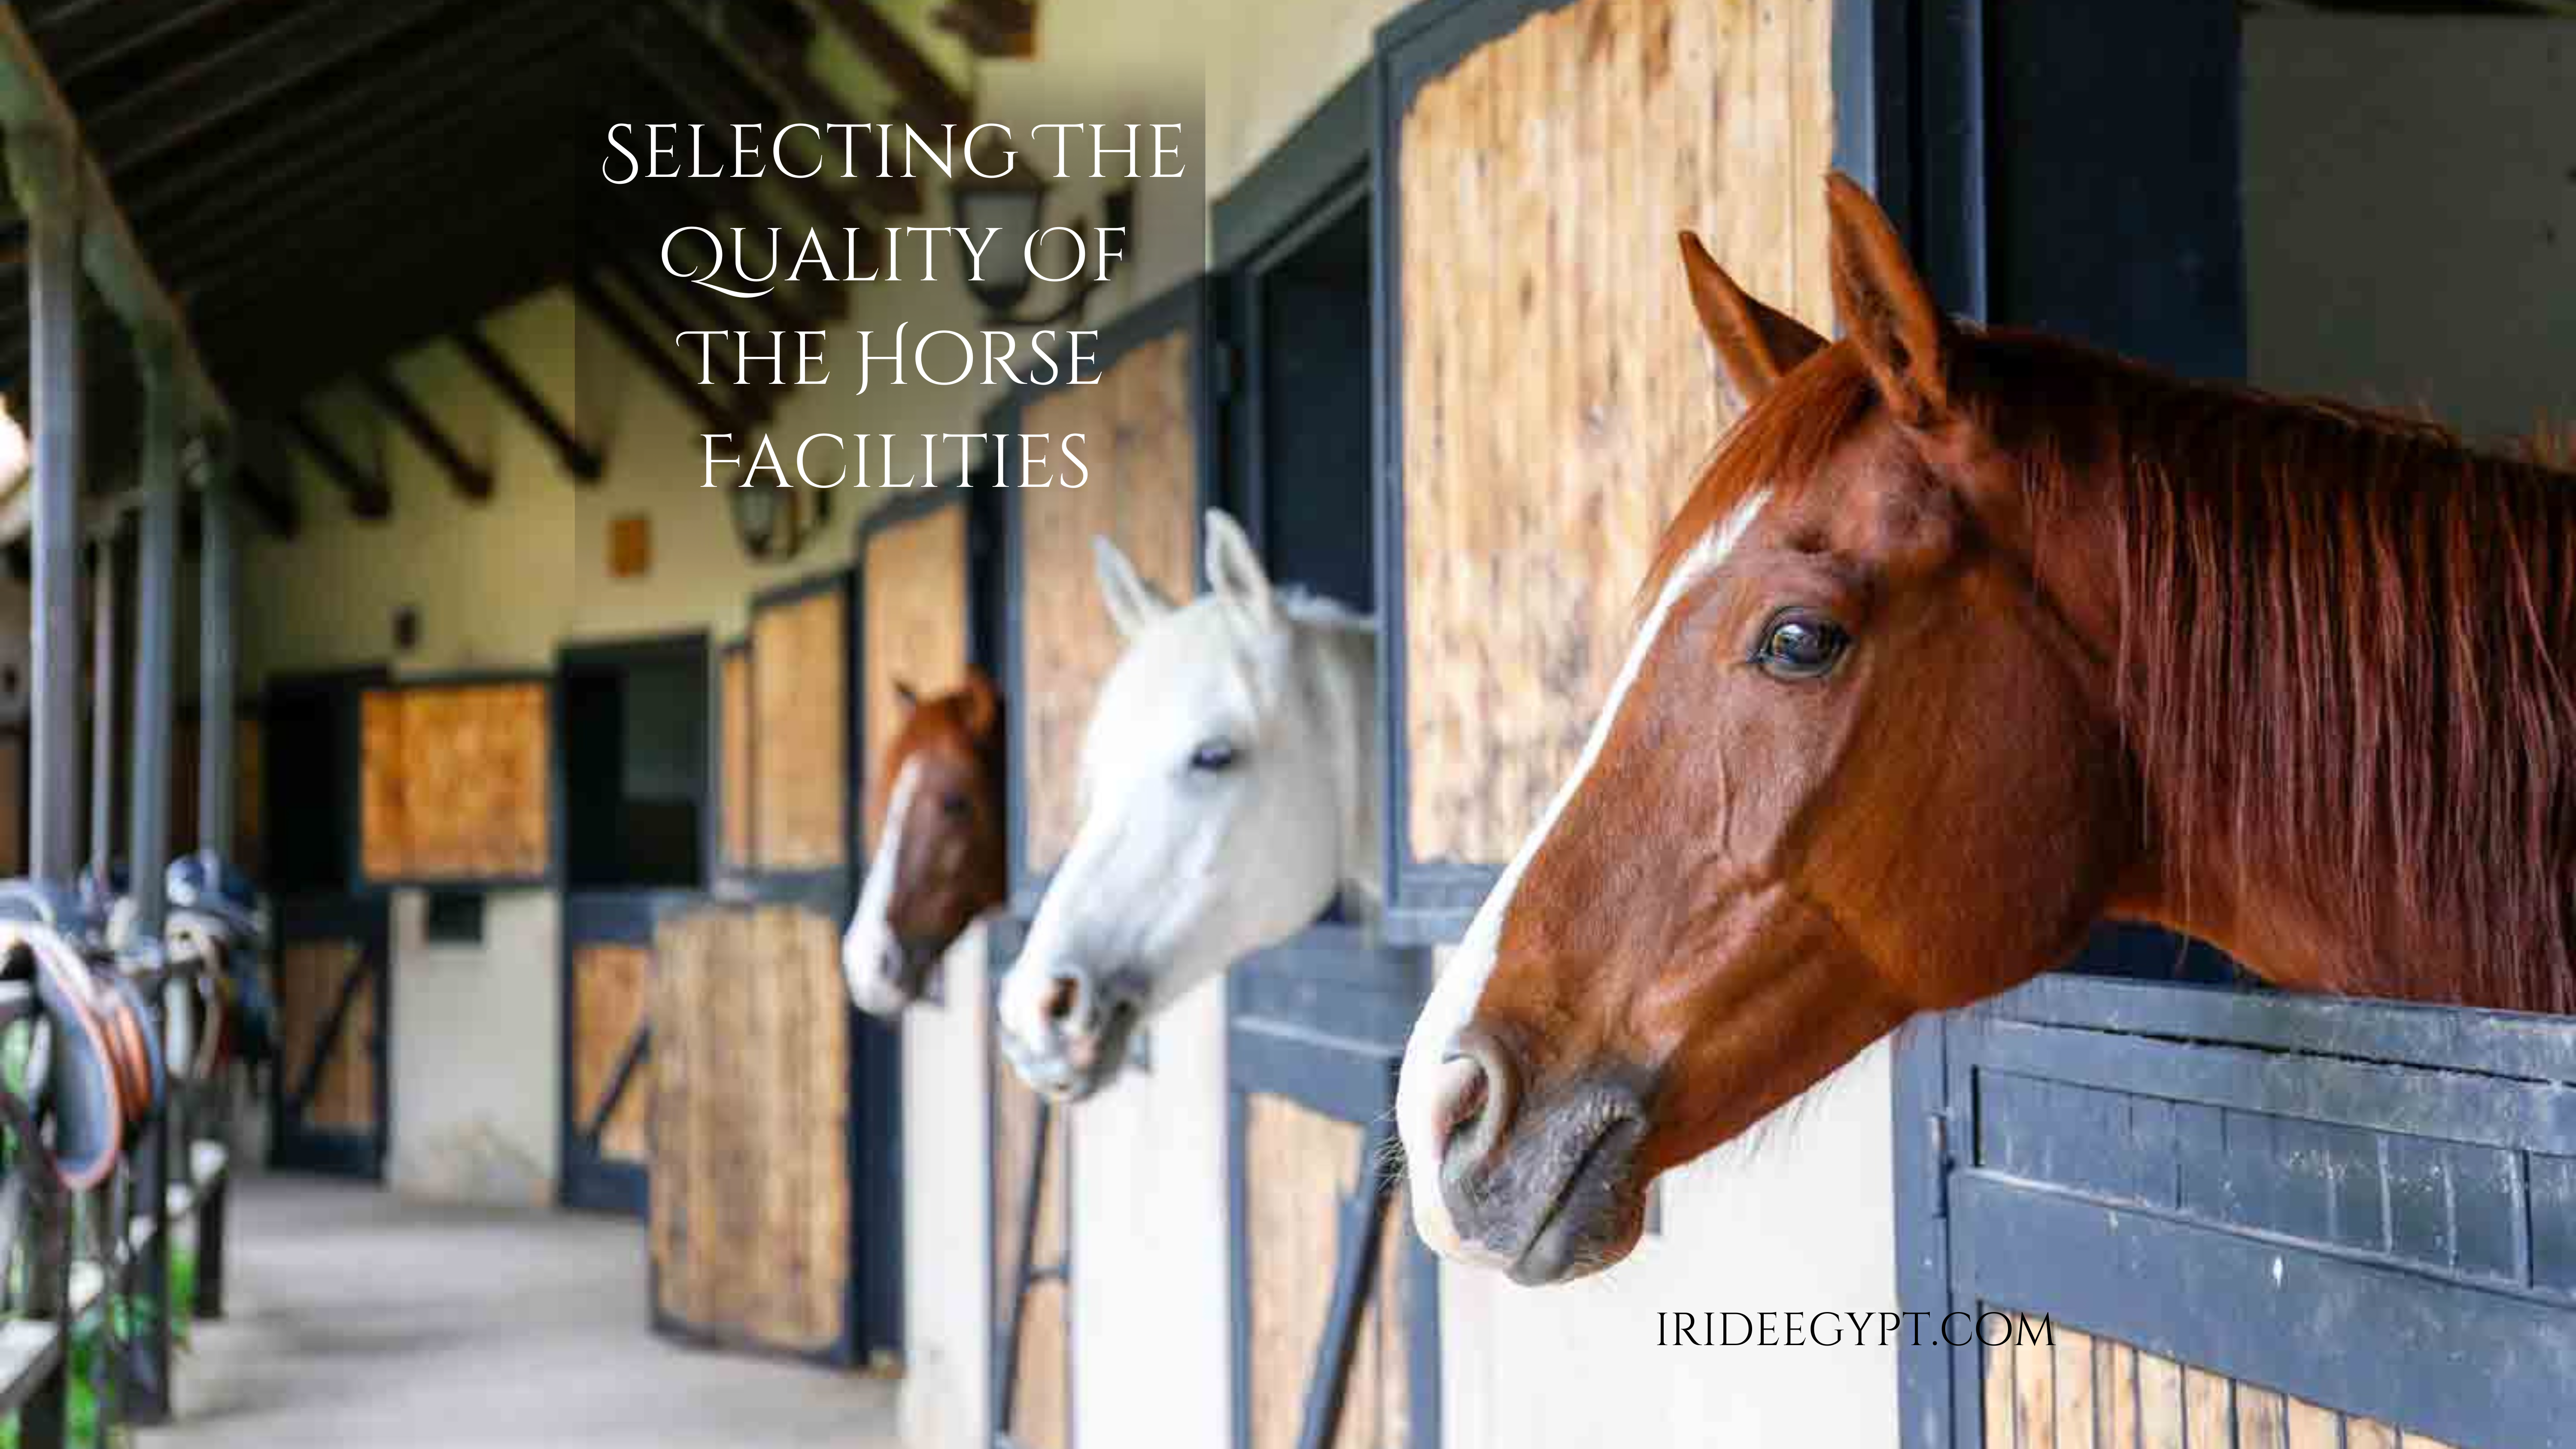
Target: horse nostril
1063 1000
1474 1100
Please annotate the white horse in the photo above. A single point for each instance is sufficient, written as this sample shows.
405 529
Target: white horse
1229 781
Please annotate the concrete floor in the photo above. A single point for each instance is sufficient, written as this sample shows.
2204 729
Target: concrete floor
361 1320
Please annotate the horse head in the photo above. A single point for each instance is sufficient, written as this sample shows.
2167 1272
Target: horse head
939 859
1226 787
1857 765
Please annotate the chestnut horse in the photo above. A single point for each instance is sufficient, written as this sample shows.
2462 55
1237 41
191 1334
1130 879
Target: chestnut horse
939 857
1966 640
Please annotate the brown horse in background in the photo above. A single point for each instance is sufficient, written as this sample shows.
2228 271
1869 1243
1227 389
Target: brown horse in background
1967 640
939 861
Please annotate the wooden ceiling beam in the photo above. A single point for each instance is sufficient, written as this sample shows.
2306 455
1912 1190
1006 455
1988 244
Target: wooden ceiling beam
218 88
709 83
434 81
316 211
273 505
369 498
662 363
927 93
579 458
497 121
776 63
392 207
472 479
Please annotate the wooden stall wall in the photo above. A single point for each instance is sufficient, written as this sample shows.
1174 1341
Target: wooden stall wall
1550 394
915 624
2058 1388
455 784
1142 425
752 1225
774 1198
800 767
610 981
249 784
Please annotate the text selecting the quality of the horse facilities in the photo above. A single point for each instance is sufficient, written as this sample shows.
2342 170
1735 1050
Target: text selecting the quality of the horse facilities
723 261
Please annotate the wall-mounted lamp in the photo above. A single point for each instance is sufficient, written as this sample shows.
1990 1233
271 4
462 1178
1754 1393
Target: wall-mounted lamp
1011 208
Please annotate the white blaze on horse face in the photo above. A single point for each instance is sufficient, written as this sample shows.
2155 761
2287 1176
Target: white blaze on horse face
871 957
1461 984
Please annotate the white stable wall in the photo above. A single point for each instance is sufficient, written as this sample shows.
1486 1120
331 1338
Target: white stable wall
948 1208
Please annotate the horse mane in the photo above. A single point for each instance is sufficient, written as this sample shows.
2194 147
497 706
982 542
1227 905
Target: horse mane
2342 654
1305 606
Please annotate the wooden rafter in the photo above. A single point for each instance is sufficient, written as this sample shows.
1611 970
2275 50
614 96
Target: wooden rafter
472 479
661 360
928 97
776 63
368 495
579 458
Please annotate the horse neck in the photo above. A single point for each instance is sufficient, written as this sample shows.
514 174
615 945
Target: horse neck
2339 656
1341 662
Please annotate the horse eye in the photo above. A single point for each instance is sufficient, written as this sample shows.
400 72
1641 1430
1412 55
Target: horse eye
1800 646
954 805
1213 756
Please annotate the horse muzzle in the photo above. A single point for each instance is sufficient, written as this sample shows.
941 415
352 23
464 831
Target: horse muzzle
1072 1037
884 975
1546 1189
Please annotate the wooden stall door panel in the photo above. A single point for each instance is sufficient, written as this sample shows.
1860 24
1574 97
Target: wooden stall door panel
1140 430
913 610
312 976
735 789
609 985
454 782
1302 1166
2088 1392
1557 395
800 764
750 1214
1041 1388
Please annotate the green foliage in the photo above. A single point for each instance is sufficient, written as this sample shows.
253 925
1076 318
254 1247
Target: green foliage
130 1316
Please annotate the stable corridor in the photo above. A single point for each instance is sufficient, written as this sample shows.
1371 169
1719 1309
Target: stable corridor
359 1319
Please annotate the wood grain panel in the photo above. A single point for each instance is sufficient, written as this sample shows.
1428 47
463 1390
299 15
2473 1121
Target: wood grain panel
453 782
1301 1166
2086 1392
750 1216
734 787
1042 1393
1557 395
1140 437
609 985
800 708
311 977
912 613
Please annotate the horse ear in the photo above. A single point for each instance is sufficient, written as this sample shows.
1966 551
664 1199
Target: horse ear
981 703
1234 570
1133 603
910 696
1887 310
1757 345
